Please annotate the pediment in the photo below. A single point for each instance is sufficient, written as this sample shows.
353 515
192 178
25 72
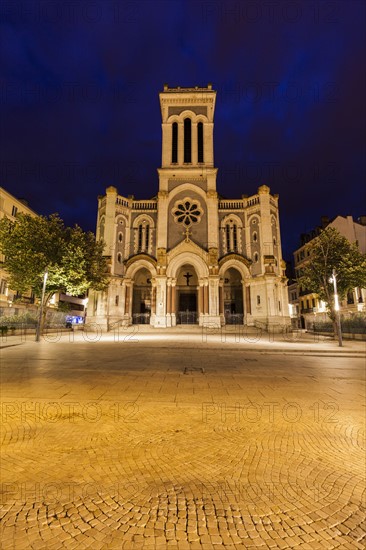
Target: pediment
185 247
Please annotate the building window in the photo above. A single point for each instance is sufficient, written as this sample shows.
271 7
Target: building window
187 212
139 242
231 236
200 141
187 140
147 237
274 241
279 306
258 300
119 258
255 237
117 300
256 257
228 238
14 211
174 142
120 237
235 239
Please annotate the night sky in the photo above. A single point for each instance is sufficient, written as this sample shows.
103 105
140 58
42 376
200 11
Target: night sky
80 108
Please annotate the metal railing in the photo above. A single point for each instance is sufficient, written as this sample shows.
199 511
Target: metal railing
145 205
187 317
141 318
234 318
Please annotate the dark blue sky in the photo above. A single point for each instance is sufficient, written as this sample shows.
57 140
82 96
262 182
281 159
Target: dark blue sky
80 109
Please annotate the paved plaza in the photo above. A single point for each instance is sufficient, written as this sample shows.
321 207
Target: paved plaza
183 439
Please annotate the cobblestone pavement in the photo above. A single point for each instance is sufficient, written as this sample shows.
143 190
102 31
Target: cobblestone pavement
172 442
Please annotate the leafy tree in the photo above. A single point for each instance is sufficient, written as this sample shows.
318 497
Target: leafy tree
72 257
330 250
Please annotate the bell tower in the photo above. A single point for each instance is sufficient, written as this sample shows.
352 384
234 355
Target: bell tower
187 135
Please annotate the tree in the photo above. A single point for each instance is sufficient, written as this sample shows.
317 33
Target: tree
73 260
331 251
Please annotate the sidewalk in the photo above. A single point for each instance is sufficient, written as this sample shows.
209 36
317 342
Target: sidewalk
194 337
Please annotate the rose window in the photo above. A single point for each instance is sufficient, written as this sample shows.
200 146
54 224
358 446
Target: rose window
187 212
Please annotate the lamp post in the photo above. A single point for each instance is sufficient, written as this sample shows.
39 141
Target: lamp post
333 279
38 330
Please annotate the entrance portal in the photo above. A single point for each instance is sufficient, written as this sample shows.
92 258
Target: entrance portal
187 296
233 297
141 302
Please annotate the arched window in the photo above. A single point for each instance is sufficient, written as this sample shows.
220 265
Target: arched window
231 236
228 237
200 141
235 239
119 258
187 140
147 237
120 237
174 142
255 237
139 242
256 257
143 231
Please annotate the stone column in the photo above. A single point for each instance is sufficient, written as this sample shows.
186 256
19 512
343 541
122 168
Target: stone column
244 298
205 298
180 143
122 303
161 302
168 303
127 298
173 303
248 303
169 298
221 299
200 300
143 239
131 301
194 143
153 299
223 239
128 302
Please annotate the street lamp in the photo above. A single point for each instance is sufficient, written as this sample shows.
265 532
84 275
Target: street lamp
38 330
333 279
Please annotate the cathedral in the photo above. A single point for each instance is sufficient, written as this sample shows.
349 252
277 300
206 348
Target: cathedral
188 255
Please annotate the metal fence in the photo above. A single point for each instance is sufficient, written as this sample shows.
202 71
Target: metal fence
234 318
187 318
141 318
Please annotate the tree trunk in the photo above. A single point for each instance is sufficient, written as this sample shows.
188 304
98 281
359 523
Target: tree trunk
334 315
42 318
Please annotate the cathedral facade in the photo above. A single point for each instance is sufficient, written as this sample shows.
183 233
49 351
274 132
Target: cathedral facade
189 256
